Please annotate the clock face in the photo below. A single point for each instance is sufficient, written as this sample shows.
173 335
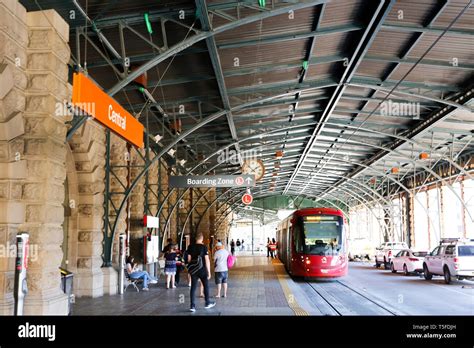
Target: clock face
254 167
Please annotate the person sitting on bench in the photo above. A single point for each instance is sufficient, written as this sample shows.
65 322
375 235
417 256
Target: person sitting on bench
135 273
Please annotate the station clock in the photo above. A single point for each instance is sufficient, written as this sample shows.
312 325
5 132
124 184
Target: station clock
254 167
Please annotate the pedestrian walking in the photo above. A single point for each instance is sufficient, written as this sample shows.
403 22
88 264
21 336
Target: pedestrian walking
170 266
232 247
221 271
199 266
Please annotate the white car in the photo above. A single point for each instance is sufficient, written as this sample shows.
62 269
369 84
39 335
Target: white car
408 261
453 258
386 251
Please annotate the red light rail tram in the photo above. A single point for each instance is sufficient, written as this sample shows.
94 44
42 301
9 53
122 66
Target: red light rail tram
312 243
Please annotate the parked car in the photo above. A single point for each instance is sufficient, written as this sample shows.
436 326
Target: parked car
453 258
408 261
386 251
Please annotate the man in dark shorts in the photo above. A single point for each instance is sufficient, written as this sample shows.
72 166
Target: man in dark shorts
199 270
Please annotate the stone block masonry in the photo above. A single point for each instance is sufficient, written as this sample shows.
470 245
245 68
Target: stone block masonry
34 53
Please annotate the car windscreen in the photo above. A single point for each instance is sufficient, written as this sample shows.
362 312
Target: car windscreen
466 250
420 253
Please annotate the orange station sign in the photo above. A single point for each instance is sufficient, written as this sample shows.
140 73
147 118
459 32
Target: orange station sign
91 99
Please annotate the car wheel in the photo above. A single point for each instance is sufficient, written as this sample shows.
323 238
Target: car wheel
405 270
447 275
392 268
427 274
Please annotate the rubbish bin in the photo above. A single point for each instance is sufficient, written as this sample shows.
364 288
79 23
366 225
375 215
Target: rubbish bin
66 286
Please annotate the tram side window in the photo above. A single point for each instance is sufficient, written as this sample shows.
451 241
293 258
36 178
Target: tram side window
297 238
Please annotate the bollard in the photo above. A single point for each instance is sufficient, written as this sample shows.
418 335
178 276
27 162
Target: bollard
121 279
21 266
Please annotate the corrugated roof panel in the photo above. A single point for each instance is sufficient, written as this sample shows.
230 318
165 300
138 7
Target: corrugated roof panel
372 69
324 71
429 74
330 45
413 12
258 79
268 54
282 24
447 48
389 42
455 7
340 12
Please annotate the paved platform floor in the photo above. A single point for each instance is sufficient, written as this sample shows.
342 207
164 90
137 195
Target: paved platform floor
254 289
260 286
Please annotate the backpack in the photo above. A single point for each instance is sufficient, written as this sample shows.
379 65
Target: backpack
230 261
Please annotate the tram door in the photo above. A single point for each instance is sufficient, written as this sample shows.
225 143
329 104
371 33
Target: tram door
288 245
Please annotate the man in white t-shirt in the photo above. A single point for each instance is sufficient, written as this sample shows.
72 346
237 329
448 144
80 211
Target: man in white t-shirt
221 272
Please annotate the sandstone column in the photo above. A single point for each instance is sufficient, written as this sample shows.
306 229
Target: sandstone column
88 146
45 154
13 81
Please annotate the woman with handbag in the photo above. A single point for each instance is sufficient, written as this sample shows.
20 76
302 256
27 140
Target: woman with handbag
199 267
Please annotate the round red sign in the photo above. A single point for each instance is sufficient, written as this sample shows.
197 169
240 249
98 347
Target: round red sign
239 180
247 198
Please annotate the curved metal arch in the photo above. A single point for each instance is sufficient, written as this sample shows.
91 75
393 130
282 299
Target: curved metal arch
183 135
212 204
369 209
384 175
427 169
204 35
361 200
295 127
208 207
407 190
407 140
170 192
416 95
192 209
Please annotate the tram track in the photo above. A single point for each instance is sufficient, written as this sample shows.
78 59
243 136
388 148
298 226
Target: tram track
341 299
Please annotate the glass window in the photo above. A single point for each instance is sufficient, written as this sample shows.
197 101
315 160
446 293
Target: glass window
450 250
322 236
441 250
466 250
420 253
297 238
435 251
400 254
